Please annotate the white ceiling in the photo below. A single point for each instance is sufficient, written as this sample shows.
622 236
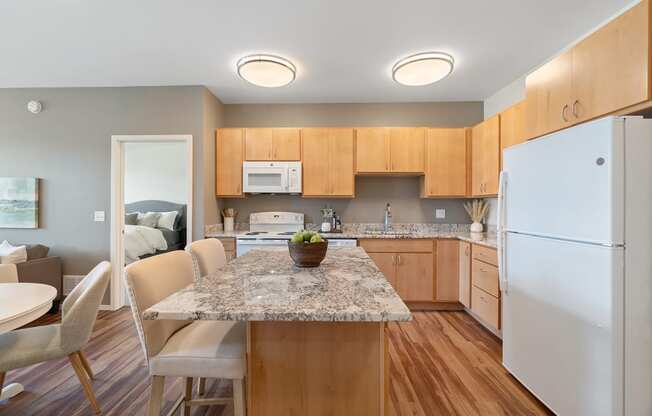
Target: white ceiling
343 49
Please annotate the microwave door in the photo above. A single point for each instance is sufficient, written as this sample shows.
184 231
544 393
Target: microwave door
265 180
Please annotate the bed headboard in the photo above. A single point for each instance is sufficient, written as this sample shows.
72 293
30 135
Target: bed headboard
160 206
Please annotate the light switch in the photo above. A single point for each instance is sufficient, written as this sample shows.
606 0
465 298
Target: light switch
440 213
99 216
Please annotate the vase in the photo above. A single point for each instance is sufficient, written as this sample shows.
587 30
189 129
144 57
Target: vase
228 224
476 227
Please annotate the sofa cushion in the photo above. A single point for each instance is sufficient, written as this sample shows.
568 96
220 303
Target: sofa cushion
36 251
10 254
131 218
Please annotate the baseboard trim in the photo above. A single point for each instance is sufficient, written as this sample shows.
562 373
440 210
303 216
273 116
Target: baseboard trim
435 306
70 281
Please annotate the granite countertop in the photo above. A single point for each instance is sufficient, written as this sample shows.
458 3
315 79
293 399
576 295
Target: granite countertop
404 232
265 285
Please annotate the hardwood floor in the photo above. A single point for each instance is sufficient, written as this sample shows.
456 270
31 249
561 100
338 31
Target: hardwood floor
441 363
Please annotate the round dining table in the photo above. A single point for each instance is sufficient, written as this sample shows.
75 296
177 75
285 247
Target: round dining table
20 304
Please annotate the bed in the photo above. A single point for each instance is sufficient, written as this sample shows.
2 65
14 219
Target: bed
143 241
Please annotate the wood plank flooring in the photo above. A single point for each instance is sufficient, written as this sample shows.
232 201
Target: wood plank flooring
441 363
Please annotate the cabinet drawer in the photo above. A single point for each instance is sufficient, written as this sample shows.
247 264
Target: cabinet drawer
486 254
228 243
485 276
397 246
487 307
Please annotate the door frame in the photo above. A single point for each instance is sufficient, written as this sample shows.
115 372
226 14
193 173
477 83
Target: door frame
117 203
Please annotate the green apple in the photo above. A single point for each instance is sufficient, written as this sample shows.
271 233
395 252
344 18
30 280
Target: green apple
307 235
297 237
316 239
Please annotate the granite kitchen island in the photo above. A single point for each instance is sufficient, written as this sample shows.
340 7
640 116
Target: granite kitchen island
316 341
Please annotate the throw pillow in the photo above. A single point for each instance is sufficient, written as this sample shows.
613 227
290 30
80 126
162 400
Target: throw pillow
167 220
148 219
36 251
12 254
131 218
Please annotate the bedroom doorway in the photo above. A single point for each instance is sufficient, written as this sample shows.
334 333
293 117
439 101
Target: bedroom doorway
151 201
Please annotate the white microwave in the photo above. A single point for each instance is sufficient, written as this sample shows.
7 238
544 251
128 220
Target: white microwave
271 177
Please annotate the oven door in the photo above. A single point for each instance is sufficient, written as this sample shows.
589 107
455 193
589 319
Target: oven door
265 179
243 245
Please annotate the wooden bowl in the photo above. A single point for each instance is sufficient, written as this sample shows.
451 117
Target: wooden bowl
308 254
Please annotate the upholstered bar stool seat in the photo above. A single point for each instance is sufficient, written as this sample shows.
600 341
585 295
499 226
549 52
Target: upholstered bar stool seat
203 349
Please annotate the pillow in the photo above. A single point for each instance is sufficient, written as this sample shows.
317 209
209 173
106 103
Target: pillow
36 251
148 219
11 254
131 218
168 220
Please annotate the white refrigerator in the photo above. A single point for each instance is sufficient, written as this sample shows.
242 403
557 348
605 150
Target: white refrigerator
575 250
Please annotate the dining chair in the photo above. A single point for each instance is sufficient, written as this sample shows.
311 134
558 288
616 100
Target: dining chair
24 347
8 273
174 348
207 255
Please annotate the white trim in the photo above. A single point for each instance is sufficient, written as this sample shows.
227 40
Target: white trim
117 203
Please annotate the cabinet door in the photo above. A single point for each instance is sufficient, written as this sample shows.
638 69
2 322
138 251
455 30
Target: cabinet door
342 180
548 96
447 274
372 150
286 144
512 126
258 144
445 163
477 160
229 152
386 263
491 155
414 276
407 149
315 156
610 67
465 273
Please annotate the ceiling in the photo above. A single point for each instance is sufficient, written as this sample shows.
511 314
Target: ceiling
343 49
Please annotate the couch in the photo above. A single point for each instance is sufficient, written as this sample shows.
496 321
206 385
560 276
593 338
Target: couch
41 268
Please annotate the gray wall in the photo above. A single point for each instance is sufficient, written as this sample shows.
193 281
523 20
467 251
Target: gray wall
441 114
213 117
68 147
372 193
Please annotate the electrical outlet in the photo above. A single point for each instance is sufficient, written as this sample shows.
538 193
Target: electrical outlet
99 216
440 213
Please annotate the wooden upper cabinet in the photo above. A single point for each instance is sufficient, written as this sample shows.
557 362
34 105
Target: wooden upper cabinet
342 180
229 154
547 96
328 162
512 126
485 157
272 144
607 71
447 288
611 67
372 150
445 163
407 149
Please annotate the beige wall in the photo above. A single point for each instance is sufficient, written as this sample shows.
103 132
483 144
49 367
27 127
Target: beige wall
372 193
213 117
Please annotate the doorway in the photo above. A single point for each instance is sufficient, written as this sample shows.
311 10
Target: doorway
151 200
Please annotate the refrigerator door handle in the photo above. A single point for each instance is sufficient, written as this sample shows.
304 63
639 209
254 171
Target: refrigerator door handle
502 187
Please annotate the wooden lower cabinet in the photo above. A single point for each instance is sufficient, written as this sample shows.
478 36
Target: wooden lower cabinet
465 273
486 307
317 368
485 288
229 247
447 275
414 276
386 263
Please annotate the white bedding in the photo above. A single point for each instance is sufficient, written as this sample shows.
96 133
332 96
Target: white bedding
140 240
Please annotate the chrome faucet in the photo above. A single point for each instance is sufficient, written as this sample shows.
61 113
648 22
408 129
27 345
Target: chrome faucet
388 217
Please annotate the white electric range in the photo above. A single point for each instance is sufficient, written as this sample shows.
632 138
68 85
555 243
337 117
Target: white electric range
274 229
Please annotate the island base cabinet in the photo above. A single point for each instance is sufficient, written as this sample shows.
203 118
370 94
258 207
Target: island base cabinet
316 368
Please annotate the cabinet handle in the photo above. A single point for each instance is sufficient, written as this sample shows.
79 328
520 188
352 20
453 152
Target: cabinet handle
399 259
574 109
563 113
393 260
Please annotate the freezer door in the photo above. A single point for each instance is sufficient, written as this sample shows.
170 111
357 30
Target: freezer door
563 323
568 184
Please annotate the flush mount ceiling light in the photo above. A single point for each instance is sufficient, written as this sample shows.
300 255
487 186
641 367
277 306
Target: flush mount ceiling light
266 70
423 68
